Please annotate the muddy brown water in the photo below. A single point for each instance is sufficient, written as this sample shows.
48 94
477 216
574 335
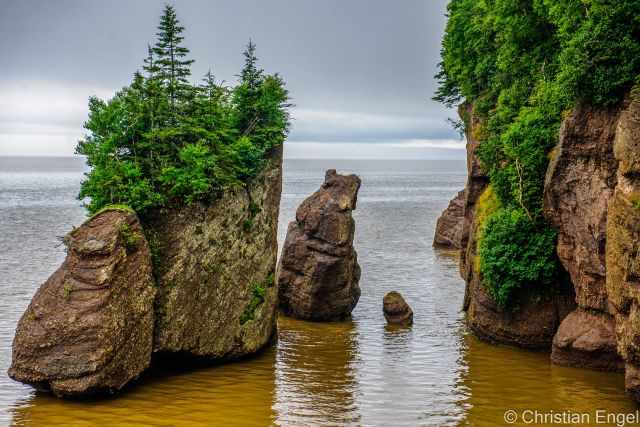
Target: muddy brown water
358 372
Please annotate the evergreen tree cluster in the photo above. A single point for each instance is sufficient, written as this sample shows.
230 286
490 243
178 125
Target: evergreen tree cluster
524 64
164 140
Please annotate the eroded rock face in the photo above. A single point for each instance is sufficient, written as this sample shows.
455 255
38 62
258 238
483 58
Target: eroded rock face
319 273
215 267
580 181
396 310
623 245
89 328
448 233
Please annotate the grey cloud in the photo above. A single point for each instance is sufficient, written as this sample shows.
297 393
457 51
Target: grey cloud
358 70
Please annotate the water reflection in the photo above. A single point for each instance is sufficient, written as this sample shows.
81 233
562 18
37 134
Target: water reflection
315 373
499 378
236 394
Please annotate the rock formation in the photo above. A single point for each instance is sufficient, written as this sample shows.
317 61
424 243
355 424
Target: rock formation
93 326
215 268
592 197
448 233
89 328
318 273
396 310
579 184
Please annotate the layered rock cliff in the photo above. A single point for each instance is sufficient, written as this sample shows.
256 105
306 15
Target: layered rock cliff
196 280
592 198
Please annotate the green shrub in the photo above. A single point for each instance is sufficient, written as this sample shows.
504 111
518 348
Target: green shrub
516 255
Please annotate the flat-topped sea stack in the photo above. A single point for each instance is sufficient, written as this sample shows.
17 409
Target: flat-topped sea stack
318 273
89 328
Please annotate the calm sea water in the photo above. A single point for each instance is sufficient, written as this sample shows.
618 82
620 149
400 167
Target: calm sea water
358 372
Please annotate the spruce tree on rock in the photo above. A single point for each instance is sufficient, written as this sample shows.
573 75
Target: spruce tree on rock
247 94
171 65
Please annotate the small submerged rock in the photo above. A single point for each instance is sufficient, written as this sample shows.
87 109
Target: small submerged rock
396 310
319 273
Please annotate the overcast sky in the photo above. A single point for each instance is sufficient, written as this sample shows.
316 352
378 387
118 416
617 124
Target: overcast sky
360 71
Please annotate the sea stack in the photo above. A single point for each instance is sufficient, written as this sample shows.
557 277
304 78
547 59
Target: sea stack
396 310
318 273
89 328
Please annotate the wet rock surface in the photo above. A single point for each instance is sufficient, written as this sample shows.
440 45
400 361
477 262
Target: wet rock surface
396 310
89 328
318 273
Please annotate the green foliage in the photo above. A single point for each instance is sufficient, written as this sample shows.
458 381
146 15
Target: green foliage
523 64
257 298
163 140
516 254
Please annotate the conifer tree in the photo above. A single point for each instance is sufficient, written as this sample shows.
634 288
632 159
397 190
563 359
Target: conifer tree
172 67
247 94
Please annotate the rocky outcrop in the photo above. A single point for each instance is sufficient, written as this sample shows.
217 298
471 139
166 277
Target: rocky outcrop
215 267
199 281
448 233
580 181
396 310
318 273
89 328
623 245
535 322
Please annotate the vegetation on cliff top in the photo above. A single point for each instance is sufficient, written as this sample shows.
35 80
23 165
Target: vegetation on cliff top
524 64
163 139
